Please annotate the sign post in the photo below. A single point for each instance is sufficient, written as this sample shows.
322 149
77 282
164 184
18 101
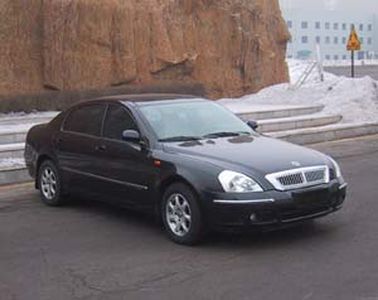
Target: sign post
353 45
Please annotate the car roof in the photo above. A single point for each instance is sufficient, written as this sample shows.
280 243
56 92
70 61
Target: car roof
147 97
143 99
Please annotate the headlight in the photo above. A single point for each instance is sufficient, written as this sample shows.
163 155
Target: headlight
336 166
233 182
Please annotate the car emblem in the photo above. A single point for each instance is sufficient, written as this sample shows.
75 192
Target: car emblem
296 163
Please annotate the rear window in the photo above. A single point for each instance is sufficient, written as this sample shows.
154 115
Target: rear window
86 119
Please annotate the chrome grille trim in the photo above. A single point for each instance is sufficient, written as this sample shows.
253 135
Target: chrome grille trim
299 178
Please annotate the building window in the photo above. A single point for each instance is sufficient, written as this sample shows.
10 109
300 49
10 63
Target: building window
361 27
336 57
344 40
327 25
290 24
327 40
344 26
369 41
361 40
317 39
304 39
328 57
335 40
304 25
344 57
317 25
335 26
370 27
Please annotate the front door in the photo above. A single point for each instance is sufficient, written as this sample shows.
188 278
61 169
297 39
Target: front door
127 168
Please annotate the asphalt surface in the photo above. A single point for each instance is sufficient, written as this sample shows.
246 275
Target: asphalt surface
93 251
360 71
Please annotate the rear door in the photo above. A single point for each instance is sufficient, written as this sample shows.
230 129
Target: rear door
76 146
128 169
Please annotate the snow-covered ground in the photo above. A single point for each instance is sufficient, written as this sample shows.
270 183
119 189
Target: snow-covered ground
355 99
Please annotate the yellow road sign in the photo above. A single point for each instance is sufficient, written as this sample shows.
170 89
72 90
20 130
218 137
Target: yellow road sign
354 43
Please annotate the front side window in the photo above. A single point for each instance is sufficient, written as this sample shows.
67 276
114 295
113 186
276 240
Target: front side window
117 121
86 120
193 119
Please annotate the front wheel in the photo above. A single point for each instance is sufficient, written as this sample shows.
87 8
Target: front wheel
49 183
181 214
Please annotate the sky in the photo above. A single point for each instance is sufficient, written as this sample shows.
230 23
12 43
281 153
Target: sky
347 5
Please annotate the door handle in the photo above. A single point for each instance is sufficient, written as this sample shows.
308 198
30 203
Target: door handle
58 141
100 148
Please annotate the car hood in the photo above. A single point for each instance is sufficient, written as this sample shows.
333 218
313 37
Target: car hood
258 153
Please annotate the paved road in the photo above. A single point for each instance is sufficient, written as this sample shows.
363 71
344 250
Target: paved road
93 251
361 71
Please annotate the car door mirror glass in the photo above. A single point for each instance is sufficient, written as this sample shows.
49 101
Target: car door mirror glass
253 124
131 136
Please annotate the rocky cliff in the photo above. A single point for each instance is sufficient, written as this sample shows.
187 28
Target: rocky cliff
232 47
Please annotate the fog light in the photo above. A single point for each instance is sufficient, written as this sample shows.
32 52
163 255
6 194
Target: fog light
253 217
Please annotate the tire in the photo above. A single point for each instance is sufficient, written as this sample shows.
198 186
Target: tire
181 214
49 184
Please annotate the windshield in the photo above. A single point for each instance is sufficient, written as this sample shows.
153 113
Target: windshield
193 120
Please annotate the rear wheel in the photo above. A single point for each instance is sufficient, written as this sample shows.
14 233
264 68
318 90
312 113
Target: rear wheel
49 183
181 214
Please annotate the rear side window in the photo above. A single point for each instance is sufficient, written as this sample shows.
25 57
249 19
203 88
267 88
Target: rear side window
87 120
117 120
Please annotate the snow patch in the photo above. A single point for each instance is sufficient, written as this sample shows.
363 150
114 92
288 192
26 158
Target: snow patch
356 99
11 164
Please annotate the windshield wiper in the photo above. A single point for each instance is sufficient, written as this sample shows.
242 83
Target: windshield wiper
225 134
181 138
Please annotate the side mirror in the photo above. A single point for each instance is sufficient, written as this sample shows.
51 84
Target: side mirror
131 136
253 124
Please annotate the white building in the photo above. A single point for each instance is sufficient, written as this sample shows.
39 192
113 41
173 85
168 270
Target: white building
323 22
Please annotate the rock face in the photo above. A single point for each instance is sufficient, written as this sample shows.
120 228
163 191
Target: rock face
232 47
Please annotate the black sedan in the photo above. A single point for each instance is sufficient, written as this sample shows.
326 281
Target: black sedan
190 161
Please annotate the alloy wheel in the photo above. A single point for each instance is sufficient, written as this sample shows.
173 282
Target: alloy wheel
178 214
48 183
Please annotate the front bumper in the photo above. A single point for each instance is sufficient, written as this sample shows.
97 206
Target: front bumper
274 207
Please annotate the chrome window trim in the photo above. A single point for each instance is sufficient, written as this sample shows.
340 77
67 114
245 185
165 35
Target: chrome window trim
244 201
344 185
273 177
129 184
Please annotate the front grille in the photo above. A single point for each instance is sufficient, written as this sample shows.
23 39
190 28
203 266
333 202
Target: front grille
313 176
291 179
298 178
